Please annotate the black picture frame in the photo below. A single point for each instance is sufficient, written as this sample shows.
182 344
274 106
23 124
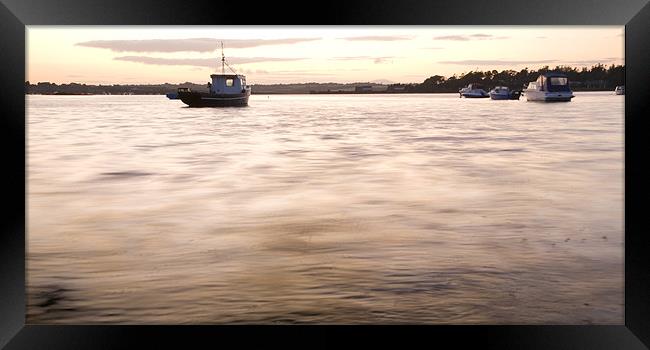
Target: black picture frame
15 15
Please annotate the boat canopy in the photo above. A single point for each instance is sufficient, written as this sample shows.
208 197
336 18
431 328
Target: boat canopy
553 82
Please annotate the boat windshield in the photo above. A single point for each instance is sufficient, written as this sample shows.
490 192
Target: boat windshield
559 81
557 84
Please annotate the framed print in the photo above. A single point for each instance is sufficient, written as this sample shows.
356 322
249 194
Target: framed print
471 173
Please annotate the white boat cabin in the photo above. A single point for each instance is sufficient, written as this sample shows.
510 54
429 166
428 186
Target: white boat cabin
551 82
227 84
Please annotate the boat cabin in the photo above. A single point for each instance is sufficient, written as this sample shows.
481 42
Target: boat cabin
552 82
227 84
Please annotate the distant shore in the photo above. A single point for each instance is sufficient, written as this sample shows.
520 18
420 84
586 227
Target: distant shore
597 78
291 93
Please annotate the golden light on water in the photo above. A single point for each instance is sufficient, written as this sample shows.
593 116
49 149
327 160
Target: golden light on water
325 209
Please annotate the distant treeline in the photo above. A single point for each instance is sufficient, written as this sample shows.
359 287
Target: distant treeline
596 78
47 88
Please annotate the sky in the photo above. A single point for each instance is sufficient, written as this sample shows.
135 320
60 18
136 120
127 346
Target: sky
285 54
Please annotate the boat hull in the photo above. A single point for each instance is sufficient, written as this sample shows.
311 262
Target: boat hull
474 96
469 92
539 96
204 99
499 97
510 96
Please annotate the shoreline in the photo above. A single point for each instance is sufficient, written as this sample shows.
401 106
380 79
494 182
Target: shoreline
295 93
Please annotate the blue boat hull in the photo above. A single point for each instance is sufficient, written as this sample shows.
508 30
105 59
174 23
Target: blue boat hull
204 99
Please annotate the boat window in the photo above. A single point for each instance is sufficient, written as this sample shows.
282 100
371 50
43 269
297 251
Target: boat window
558 81
230 82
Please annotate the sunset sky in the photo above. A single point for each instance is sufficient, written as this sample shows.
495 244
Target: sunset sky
406 54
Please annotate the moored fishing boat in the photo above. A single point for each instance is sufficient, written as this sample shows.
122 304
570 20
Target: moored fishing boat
225 90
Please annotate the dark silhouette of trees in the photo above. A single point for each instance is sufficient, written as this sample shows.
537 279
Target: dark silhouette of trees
598 77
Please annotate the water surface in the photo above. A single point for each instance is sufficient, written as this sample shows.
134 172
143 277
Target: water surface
325 209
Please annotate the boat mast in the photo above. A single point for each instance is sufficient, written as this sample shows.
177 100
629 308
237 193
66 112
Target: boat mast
223 60
225 64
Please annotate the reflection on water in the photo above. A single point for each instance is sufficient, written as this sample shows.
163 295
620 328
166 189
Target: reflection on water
325 209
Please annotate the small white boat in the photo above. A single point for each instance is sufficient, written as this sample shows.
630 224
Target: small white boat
504 93
473 91
549 87
620 90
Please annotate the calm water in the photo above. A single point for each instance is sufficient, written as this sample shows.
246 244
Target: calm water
325 209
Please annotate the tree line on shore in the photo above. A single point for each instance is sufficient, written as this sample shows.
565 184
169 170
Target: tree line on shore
598 77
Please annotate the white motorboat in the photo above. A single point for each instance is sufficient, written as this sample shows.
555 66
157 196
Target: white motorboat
504 93
549 87
620 90
473 91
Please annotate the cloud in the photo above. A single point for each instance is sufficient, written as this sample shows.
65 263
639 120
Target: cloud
452 37
495 62
378 38
185 45
300 73
379 60
309 72
477 36
199 62
352 58
523 62
254 71
591 62
374 59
